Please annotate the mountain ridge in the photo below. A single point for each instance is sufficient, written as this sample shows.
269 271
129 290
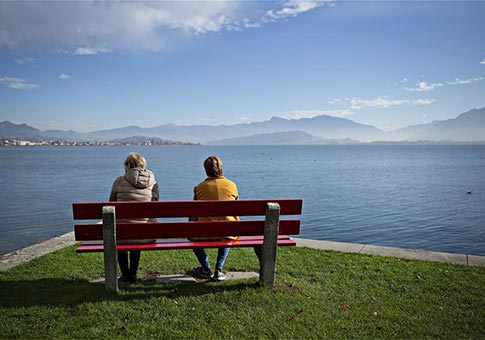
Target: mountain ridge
466 127
281 138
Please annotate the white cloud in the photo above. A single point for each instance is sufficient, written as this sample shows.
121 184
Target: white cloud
92 27
464 81
18 83
337 101
63 76
483 61
293 8
424 87
24 60
82 27
403 80
90 50
248 24
423 101
298 114
243 120
357 103
382 102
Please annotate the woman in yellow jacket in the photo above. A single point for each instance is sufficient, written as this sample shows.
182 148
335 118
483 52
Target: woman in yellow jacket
214 187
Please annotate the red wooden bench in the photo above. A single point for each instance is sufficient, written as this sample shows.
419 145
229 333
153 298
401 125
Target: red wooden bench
269 232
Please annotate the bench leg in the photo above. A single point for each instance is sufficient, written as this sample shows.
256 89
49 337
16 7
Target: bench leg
271 230
110 254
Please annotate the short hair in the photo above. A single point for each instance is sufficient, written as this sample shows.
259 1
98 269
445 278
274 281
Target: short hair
213 166
135 160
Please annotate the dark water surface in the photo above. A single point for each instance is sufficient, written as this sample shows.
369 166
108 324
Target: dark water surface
402 196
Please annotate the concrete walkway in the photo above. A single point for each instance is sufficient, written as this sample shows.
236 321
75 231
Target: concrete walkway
27 254
17 257
190 278
470 260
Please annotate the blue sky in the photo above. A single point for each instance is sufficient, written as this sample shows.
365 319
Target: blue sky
95 65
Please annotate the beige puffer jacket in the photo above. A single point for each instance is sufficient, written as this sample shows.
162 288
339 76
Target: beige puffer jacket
136 185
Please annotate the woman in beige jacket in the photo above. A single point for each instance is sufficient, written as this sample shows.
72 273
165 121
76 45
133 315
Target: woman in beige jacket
137 184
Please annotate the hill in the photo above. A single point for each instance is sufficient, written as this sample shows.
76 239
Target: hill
11 130
280 138
466 127
323 126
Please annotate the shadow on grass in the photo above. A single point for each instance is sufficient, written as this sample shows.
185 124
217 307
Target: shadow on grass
48 292
61 292
173 290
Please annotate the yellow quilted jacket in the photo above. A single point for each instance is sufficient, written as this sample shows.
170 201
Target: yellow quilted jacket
216 188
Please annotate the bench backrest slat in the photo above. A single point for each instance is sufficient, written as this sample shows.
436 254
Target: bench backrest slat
174 209
128 231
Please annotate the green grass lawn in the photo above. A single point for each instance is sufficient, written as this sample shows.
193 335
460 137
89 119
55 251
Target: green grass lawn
319 294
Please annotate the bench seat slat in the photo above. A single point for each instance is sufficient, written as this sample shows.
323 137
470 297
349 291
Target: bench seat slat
243 241
92 211
156 230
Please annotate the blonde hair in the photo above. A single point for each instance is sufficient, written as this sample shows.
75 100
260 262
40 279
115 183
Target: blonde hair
213 166
135 160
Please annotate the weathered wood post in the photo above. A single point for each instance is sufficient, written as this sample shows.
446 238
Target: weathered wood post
110 253
271 230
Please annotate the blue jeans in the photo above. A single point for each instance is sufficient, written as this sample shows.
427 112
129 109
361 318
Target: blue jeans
204 259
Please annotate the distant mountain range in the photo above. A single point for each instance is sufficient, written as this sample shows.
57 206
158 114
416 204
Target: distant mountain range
466 127
281 138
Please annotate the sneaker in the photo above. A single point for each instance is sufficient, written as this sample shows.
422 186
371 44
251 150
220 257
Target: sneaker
219 276
133 279
124 279
202 273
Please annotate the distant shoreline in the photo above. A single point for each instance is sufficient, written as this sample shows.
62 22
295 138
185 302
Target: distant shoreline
24 143
14 142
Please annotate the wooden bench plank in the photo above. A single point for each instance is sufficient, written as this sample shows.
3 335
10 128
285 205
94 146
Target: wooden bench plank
244 241
156 230
173 209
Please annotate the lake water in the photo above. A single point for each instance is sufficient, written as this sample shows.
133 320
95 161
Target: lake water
396 195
